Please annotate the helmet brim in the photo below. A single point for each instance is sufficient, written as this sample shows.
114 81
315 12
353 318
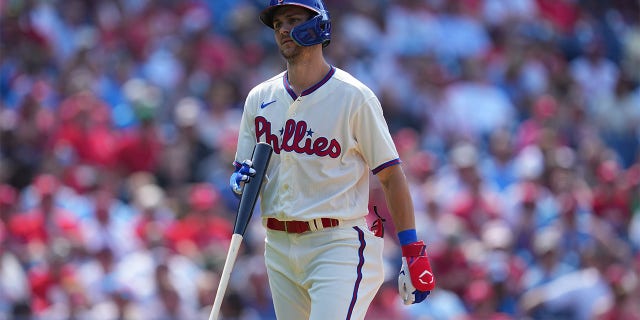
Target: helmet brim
266 16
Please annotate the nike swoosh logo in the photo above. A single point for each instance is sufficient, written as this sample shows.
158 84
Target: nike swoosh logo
266 104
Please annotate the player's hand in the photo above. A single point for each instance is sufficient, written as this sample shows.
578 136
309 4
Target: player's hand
243 173
416 279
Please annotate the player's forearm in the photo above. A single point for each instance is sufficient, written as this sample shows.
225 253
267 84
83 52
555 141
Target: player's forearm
398 197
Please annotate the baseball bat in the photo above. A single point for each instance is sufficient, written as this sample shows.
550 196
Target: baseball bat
260 161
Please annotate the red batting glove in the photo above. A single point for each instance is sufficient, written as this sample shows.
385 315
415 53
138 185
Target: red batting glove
416 279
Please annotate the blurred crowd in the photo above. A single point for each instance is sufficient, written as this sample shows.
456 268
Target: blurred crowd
518 123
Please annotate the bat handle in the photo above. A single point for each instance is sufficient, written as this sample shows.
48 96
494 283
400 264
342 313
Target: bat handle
232 254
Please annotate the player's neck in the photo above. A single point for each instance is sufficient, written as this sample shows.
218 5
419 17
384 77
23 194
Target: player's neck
304 74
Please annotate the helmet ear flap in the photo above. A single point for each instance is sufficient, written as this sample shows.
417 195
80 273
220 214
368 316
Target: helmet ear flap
325 26
314 31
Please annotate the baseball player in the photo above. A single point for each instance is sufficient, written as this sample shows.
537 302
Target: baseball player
328 132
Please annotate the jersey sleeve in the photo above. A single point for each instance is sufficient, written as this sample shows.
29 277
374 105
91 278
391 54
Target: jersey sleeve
246 134
372 135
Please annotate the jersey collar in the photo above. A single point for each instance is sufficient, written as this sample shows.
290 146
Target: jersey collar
309 90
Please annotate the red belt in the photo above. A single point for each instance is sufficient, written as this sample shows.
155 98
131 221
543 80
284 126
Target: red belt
301 226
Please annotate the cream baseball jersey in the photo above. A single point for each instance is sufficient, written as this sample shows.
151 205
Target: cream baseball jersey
325 142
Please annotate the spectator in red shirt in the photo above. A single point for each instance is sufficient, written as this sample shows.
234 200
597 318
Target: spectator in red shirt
8 198
448 258
624 284
55 290
612 197
85 135
204 227
47 223
139 149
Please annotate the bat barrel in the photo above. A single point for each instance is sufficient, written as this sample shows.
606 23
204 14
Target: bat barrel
260 159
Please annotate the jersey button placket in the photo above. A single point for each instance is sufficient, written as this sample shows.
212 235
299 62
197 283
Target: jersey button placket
293 107
285 188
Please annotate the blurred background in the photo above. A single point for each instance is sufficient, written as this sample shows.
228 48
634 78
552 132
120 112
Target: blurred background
518 122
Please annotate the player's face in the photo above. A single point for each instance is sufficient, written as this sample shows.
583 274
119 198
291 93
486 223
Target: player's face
284 20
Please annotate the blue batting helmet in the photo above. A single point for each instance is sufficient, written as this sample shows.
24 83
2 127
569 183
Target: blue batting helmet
314 31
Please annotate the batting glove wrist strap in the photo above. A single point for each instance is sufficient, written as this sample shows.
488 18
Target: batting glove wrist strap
416 279
414 249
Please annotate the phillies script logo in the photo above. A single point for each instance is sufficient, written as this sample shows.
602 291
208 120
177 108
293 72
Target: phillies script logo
297 137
